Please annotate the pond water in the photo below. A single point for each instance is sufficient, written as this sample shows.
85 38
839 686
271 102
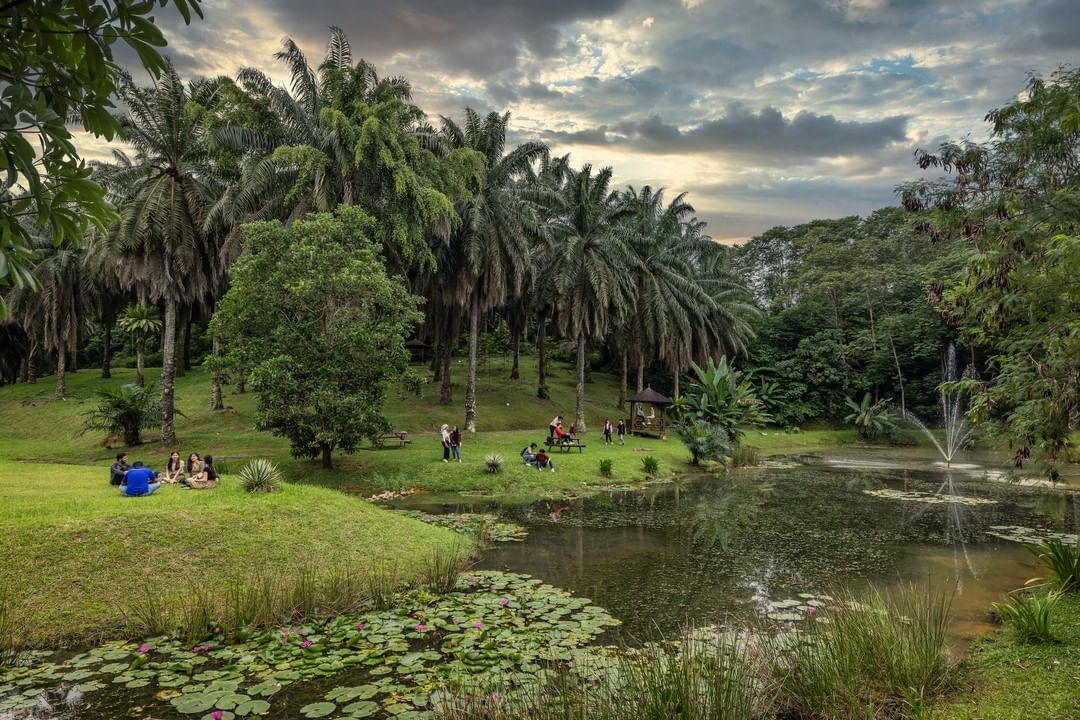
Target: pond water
725 548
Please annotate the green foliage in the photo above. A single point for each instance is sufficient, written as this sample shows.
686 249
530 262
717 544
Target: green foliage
744 456
125 410
876 657
1063 560
720 395
140 320
872 419
57 64
322 360
493 463
651 466
260 475
1029 615
1010 208
605 467
704 440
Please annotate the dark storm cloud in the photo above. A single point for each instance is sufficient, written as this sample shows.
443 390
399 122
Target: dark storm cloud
743 132
481 36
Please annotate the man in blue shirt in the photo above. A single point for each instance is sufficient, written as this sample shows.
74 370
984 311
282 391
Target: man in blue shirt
139 481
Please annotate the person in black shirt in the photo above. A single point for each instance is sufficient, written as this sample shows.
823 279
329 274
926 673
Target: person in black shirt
118 469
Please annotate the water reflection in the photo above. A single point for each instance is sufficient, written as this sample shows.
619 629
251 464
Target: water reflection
719 548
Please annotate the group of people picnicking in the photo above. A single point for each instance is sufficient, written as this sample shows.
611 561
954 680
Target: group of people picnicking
136 480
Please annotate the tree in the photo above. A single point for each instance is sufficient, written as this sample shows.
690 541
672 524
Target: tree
1012 207
497 222
871 419
590 261
164 196
140 321
56 66
126 410
321 326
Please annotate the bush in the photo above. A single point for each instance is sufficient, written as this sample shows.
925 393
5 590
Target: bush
493 463
260 475
1063 561
125 410
705 441
605 467
1029 616
744 456
651 466
875 657
872 419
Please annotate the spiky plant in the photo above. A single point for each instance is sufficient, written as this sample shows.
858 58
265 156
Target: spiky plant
260 475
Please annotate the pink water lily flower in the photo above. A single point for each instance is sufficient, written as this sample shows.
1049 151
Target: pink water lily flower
455 621
421 628
359 626
811 611
305 644
504 602
144 648
217 715
479 625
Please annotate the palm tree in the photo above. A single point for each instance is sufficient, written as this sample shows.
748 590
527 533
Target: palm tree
140 321
164 194
590 261
497 222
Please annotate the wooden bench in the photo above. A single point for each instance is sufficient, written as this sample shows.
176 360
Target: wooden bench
564 446
400 436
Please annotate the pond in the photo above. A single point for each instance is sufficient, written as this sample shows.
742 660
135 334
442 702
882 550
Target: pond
754 541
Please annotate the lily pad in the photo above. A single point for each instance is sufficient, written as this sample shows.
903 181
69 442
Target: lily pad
318 710
252 707
362 709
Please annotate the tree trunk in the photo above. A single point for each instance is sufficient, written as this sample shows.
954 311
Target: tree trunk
168 373
640 369
140 360
579 421
215 377
470 383
436 362
183 326
74 367
622 379
239 387
187 342
675 371
541 351
61 369
446 389
899 376
31 364
588 365
106 352
327 460
515 373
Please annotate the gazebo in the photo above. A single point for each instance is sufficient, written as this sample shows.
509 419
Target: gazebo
417 348
655 423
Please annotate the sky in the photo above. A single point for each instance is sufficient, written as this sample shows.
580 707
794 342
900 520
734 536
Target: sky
767 112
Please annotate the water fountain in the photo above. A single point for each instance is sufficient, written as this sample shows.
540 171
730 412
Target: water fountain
958 429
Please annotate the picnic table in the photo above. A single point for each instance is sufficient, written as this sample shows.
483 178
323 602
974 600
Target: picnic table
400 435
564 446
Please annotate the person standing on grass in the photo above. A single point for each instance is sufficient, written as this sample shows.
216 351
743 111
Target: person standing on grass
555 423
621 430
445 432
607 431
455 443
139 481
118 469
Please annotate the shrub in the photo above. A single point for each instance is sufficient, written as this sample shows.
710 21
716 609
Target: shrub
876 657
260 475
1063 561
605 467
493 462
651 466
125 410
871 419
744 456
1029 616
705 441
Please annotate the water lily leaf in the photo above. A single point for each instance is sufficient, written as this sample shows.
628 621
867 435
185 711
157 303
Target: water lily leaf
360 692
252 707
318 710
137 683
166 694
230 701
362 709
193 704
265 688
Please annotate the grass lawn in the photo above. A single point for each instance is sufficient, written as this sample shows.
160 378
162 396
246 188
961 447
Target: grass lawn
76 556
1008 680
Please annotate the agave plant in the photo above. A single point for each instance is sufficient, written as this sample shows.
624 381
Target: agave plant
871 419
493 462
260 475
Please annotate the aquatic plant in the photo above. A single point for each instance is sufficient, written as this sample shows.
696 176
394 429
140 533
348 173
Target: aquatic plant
1063 561
260 475
494 463
486 527
1029 615
443 568
876 656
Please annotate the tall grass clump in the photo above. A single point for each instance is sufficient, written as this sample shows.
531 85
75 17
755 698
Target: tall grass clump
605 467
1063 560
688 680
260 475
443 569
744 456
875 657
493 463
12 632
1029 615
651 466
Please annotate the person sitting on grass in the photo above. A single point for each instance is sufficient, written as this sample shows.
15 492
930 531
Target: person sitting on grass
174 469
139 481
118 469
528 453
543 461
207 477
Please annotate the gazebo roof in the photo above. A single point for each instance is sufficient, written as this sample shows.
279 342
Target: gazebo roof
648 395
415 343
